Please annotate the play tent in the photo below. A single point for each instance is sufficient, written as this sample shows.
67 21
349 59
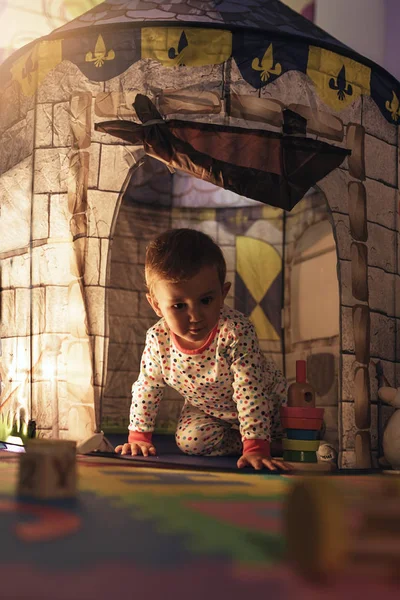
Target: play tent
242 119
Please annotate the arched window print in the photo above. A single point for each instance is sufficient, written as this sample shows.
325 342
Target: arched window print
258 285
314 287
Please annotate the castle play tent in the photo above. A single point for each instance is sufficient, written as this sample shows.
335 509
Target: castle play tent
242 119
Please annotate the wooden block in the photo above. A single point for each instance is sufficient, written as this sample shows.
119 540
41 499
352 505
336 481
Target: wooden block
317 536
48 469
301 395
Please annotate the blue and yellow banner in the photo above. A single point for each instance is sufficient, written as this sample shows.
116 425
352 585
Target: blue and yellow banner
385 92
102 56
190 47
339 80
31 68
261 60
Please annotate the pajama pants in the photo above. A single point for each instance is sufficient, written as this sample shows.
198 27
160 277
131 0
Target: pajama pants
203 435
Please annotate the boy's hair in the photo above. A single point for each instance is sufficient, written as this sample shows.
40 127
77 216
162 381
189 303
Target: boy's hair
179 254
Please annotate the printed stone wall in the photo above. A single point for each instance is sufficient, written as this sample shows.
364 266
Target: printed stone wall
397 279
15 187
16 154
129 313
362 196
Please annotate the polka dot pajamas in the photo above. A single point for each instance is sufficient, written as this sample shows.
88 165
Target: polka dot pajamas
198 433
232 392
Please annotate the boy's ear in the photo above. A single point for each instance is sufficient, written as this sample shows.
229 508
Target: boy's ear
154 305
225 289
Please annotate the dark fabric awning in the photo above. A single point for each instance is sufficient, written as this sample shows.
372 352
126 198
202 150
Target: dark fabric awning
269 167
272 17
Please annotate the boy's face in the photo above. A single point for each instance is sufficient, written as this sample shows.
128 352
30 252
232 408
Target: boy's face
191 308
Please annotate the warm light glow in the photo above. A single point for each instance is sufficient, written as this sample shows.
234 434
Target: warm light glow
22 21
48 369
20 365
13 439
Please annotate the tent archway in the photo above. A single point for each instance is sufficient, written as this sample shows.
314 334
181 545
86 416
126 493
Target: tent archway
260 244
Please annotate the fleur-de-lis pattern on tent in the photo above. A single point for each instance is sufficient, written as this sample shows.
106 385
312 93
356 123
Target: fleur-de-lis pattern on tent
267 66
100 54
341 85
264 37
393 107
105 55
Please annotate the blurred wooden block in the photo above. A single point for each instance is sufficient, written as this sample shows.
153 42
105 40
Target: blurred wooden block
48 469
315 528
331 530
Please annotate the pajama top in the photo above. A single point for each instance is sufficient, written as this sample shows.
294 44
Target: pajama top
227 378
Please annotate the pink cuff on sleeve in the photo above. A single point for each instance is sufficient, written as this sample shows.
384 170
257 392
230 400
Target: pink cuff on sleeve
257 447
137 436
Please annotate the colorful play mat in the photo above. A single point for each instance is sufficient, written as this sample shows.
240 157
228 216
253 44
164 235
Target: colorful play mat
163 533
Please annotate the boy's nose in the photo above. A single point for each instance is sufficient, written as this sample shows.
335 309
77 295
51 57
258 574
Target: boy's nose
195 314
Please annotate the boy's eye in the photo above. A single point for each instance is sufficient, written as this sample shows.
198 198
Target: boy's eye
207 300
178 306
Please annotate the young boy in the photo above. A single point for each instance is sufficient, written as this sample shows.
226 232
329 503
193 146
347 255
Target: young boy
209 353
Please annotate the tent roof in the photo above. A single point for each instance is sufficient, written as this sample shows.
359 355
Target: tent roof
270 16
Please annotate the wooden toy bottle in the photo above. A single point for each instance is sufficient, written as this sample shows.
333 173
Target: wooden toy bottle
301 394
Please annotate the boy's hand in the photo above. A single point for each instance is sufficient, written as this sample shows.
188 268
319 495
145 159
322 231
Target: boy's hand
135 448
259 461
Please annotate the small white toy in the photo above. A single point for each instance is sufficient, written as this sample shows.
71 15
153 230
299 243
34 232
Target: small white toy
327 453
391 436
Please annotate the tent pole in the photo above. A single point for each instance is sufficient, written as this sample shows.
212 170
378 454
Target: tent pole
31 424
283 293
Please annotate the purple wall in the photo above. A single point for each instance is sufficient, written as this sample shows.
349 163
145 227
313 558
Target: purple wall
309 11
392 41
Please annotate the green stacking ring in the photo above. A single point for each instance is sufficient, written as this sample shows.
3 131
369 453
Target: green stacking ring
300 457
301 445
